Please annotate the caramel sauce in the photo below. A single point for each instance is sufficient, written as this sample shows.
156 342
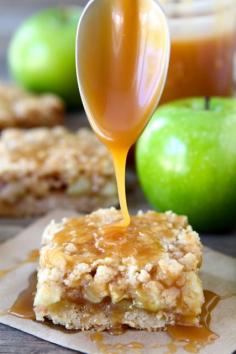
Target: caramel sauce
94 241
192 338
200 66
122 59
197 337
23 306
31 258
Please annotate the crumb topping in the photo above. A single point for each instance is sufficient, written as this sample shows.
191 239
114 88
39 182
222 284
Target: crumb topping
19 108
40 160
153 263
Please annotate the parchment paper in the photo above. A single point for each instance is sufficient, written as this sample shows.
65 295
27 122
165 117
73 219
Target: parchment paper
218 274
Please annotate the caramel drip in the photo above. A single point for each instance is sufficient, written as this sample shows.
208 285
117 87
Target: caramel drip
31 258
200 66
191 339
122 58
23 306
119 159
197 337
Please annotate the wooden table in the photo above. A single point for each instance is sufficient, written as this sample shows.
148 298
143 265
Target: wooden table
12 12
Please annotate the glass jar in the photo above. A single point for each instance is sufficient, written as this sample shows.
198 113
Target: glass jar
202 50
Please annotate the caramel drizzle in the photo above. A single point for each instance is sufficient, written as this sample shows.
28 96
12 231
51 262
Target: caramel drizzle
23 306
121 66
191 339
24 302
195 338
111 240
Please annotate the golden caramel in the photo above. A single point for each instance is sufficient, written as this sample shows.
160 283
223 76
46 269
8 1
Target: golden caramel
140 239
192 339
194 336
23 306
197 337
200 67
122 49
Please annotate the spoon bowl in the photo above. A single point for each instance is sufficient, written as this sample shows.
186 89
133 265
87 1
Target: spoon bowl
122 56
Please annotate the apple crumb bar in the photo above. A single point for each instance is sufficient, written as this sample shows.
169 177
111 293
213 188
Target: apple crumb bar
96 276
45 168
19 108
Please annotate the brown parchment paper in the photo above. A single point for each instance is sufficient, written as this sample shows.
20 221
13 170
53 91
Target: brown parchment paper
218 274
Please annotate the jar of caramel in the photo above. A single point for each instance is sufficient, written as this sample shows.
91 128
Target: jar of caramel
202 52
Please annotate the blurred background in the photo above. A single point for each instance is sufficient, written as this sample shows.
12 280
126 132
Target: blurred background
196 68
13 13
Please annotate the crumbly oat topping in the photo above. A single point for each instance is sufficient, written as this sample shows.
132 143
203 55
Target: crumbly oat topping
153 264
41 160
19 108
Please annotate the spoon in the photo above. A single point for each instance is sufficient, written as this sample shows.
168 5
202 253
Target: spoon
122 56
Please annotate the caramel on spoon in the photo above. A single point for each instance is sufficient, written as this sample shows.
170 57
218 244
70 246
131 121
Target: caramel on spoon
122 55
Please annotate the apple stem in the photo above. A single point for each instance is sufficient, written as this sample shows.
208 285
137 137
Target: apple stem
207 103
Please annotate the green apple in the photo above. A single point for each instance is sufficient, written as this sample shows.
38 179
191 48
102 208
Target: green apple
186 161
41 54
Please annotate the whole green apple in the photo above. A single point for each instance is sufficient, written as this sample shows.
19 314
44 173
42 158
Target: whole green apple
186 161
42 53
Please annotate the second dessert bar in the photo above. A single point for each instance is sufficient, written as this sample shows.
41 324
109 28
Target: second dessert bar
45 168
